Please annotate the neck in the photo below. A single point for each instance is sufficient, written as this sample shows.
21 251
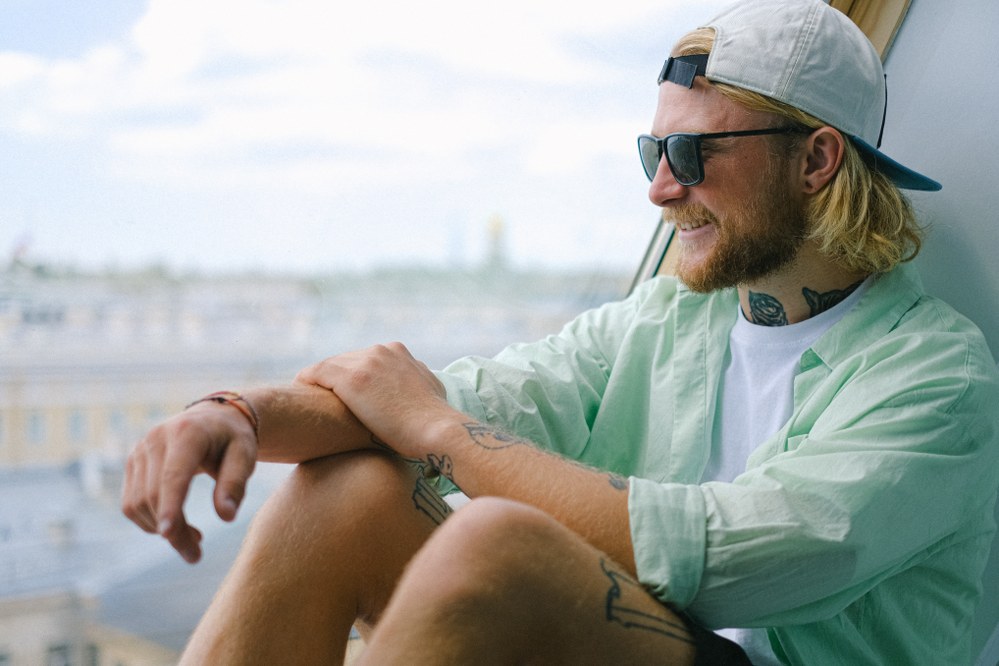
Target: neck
809 286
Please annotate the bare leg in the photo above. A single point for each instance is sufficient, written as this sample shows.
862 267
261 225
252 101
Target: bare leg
325 551
504 583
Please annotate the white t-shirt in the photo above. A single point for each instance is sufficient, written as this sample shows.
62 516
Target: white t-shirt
755 400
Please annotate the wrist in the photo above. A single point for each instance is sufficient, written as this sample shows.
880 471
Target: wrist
236 401
441 432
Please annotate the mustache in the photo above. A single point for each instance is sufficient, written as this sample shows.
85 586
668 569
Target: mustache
688 214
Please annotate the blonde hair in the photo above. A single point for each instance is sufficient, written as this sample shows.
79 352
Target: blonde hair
860 219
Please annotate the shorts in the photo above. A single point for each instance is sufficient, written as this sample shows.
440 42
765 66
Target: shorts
712 649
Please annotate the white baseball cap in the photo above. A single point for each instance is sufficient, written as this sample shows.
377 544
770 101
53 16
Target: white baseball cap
809 55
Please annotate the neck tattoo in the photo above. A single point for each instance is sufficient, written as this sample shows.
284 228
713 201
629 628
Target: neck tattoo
766 310
819 303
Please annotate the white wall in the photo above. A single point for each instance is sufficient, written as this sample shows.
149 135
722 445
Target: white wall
943 120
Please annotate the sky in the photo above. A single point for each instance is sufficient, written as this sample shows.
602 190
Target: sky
315 135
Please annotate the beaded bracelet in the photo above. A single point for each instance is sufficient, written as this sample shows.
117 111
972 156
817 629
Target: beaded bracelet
237 401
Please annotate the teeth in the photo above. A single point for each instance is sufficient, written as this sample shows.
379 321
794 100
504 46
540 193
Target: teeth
688 226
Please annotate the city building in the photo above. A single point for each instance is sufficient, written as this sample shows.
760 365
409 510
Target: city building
89 362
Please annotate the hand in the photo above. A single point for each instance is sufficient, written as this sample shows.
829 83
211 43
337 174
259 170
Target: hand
208 437
394 395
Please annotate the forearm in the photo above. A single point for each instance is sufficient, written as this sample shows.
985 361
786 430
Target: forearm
299 423
484 461
403 403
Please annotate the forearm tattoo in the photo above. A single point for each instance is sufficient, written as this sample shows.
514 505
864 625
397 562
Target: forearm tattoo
624 600
441 464
494 439
489 437
617 481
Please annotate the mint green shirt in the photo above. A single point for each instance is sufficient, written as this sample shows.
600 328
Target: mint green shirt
858 533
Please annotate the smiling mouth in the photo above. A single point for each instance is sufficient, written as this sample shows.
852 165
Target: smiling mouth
690 225
689 217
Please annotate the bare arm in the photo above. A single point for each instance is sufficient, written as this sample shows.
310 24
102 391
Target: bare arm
302 422
294 424
483 460
403 404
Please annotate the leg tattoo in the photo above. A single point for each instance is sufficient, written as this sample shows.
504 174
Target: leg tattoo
426 500
621 608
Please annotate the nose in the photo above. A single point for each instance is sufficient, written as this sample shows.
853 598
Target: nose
664 189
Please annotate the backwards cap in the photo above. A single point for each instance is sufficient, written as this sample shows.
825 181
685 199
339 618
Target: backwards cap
811 56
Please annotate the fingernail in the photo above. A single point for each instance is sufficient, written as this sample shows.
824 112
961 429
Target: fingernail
229 504
163 526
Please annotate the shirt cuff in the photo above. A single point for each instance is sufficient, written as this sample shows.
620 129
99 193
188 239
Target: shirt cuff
668 533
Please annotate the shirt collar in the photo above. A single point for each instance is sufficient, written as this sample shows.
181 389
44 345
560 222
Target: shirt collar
891 295
879 310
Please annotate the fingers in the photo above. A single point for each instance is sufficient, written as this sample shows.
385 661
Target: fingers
209 438
133 506
140 496
230 484
185 539
357 371
390 392
180 465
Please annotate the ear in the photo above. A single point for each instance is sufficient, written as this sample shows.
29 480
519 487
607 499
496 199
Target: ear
823 155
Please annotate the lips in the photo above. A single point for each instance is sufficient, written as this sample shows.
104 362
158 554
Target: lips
690 225
689 218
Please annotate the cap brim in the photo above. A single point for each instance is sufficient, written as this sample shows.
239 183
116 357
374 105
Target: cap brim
903 177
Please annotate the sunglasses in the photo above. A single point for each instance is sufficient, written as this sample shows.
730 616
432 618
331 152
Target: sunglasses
683 152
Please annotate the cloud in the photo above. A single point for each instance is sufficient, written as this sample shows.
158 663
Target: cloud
16 68
237 75
295 107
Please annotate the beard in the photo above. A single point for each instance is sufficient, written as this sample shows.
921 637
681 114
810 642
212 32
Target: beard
760 238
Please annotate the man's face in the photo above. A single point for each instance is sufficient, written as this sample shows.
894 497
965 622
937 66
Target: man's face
746 220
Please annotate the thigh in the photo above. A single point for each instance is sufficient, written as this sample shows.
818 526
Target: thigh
501 582
324 552
590 610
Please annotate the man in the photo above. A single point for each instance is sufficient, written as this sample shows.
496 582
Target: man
791 440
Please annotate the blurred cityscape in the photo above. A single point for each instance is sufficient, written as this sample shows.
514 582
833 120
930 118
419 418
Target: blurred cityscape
89 361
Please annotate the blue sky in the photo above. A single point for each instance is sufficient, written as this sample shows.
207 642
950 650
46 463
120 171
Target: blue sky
304 135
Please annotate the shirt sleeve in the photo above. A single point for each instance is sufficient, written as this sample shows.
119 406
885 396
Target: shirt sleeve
886 459
549 391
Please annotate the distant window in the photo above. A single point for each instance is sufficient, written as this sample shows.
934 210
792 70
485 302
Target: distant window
58 655
116 421
156 414
36 428
77 426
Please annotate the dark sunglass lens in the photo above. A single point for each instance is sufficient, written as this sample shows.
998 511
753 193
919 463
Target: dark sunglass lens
681 153
648 148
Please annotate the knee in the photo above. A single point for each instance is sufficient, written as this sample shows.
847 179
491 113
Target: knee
363 479
490 543
334 493
495 526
